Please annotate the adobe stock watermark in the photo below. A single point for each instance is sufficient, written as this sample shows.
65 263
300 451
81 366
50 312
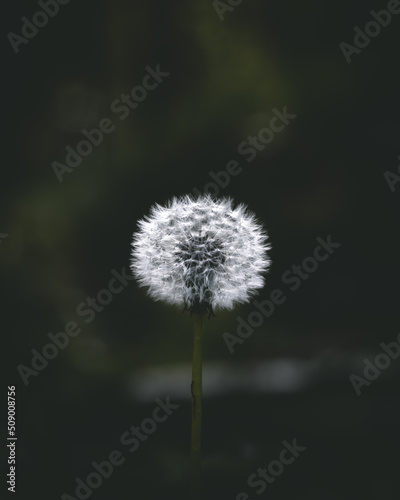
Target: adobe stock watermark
275 468
293 277
122 106
222 7
132 440
40 19
373 369
372 29
250 149
391 178
86 309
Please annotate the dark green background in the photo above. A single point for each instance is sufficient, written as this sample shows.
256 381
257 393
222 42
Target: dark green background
323 175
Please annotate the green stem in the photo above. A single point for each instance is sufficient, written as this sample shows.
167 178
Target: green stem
195 449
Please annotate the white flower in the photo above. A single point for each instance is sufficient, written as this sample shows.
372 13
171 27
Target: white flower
200 253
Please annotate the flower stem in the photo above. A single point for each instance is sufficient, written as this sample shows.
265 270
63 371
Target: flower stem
195 449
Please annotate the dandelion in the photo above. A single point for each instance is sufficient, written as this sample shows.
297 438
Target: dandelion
203 255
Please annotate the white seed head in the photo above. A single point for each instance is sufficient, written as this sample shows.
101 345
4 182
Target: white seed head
200 253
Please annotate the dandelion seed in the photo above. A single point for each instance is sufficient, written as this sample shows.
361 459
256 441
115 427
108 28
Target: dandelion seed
200 253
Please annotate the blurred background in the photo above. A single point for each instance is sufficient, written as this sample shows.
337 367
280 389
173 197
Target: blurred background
322 175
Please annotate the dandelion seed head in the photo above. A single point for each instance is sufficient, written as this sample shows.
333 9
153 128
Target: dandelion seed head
200 253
